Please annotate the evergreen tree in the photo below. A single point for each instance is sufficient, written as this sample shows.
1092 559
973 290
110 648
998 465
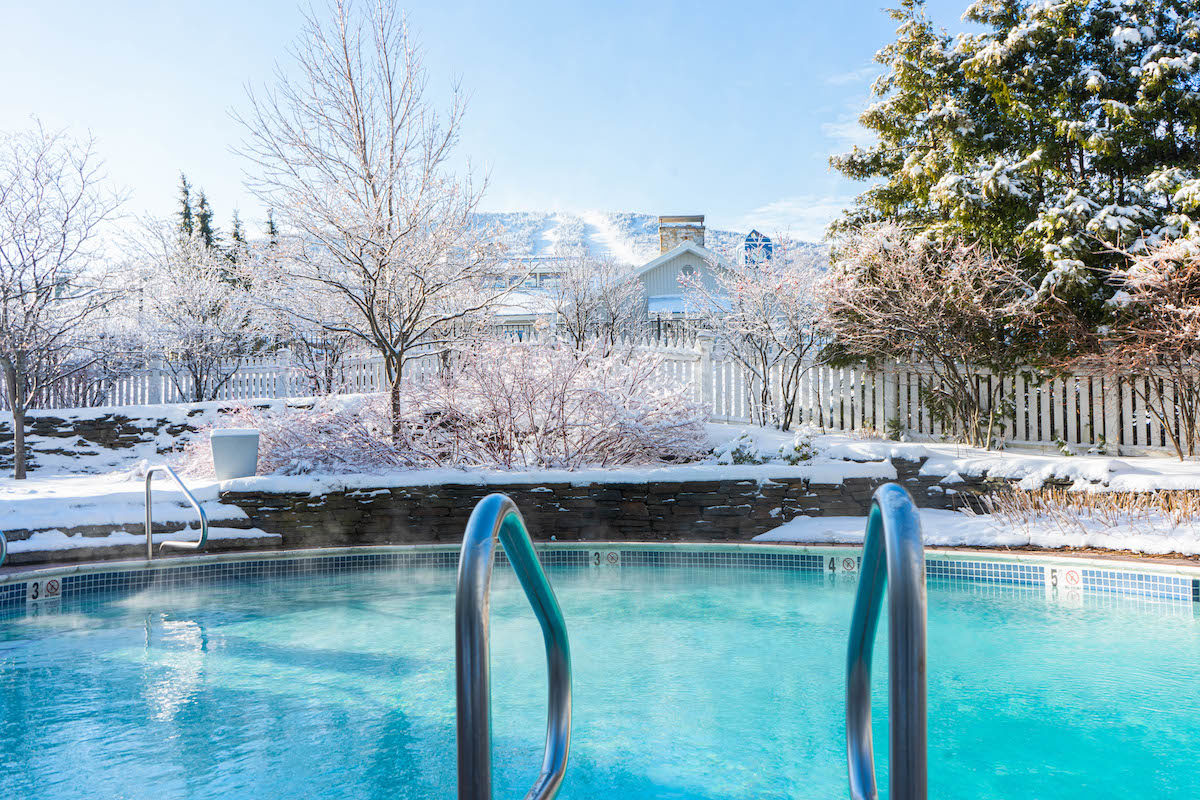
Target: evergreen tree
237 238
186 223
1064 132
235 229
204 226
272 231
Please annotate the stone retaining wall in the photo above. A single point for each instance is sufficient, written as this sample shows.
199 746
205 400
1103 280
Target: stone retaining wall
80 437
659 511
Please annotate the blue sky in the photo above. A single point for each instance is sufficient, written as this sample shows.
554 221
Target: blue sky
726 109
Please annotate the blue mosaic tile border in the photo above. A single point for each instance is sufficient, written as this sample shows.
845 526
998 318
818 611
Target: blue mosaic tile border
1169 587
986 572
802 562
1093 580
13 594
549 558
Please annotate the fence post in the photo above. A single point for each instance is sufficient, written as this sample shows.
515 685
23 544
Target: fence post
1112 413
888 383
154 382
704 345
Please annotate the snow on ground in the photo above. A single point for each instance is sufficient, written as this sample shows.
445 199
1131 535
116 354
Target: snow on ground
67 501
948 460
956 529
42 541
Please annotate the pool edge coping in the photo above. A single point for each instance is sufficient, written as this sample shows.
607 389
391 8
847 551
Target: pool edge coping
1148 565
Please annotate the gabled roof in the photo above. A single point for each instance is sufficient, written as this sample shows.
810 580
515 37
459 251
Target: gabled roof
686 246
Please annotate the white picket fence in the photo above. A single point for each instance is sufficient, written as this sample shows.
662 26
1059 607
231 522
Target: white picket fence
1082 411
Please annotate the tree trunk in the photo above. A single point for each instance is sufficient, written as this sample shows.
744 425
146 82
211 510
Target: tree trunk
394 392
394 370
16 401
18 442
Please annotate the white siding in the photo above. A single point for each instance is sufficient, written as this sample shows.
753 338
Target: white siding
664 279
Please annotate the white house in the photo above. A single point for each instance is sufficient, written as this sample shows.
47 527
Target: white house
682 254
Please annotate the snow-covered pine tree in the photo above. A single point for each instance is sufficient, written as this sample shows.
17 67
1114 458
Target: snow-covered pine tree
1063 132
237 238
186 218
204 217
236 233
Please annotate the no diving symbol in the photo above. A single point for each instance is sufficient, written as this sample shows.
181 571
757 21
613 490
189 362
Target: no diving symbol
1070 578
44 590
848 564
613 558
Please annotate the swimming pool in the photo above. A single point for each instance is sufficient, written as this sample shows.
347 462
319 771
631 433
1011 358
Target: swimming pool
699 672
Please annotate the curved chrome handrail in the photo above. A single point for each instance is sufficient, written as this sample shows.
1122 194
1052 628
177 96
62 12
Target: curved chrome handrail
196 545
893 555
3 548
496 518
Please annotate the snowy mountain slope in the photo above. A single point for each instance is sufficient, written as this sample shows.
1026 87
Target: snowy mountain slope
628 237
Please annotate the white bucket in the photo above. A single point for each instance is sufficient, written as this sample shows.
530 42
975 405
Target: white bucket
234 452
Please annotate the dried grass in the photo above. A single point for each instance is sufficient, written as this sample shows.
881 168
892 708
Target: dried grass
1083 512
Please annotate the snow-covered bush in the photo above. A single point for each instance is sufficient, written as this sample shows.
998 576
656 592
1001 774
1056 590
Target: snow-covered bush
743 449
530 405
500 406
798 451
338 437
950 307
1152 343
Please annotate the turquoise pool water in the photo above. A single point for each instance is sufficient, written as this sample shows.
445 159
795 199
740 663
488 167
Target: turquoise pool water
689 683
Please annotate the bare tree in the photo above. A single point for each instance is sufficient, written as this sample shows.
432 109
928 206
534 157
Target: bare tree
355 157
955 308
596 298
52 208
323 356
764 313
198 314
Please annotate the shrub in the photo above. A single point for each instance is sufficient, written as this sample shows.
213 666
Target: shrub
800 450
506 406
742 450
538 406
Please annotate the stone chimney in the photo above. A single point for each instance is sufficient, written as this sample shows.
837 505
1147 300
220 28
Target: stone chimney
673 231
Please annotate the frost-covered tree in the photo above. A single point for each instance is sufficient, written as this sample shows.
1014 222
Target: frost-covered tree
596 298
1153 339
765 314
355 158
52 283
1060 134
195 318
950 307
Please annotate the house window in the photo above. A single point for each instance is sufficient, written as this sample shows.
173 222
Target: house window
688 271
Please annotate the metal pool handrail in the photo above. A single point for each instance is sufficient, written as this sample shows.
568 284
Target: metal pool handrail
496 518
893 555
196 545
3 548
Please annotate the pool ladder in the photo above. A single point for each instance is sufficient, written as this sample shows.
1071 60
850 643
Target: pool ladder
893 557
496 519
191 498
